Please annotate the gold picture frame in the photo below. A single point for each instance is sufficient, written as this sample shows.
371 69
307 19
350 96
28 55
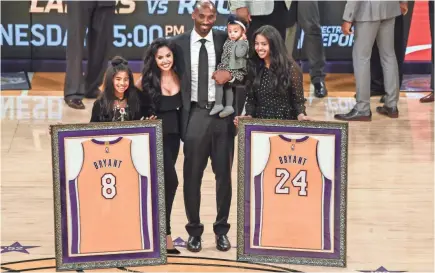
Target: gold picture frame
120 220
287 218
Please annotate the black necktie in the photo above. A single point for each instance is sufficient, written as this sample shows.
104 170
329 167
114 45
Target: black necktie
203 75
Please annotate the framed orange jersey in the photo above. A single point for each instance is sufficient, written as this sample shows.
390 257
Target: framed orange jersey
109 200
292 182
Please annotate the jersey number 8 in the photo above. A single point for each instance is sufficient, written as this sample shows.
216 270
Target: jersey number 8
108 182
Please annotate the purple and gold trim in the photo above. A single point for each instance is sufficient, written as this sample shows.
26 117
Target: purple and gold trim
335 191
65 261
110 142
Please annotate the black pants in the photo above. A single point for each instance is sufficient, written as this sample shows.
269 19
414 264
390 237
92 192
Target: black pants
308 17
99 21
376 74
208 136
171 148
274 19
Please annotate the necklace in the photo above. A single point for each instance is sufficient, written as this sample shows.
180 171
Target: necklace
118 99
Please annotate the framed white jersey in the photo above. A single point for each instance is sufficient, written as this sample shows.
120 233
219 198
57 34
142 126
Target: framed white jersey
109 195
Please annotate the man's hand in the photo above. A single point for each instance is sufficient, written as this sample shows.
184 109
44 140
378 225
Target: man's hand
404 7
221 76
243 13
346 28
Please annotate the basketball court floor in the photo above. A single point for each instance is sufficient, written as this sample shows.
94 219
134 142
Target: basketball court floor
390 220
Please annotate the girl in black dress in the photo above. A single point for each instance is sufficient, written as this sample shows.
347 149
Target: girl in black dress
274 83
121 100
161 82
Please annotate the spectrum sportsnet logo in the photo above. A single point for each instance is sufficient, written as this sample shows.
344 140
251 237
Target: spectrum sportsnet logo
331 36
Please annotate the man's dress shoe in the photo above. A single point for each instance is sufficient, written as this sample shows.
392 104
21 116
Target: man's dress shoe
194 244
222 243
391 112
354 115
427 98
75 103
320 90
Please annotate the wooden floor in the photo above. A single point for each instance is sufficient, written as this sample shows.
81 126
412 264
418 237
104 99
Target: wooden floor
390 198
48 84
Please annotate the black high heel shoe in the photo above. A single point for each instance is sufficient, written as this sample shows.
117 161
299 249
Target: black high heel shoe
173 251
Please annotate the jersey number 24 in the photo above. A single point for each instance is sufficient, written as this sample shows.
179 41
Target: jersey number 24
300 181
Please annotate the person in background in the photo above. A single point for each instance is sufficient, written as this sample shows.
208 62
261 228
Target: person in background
120 101
373 20
291 27
259 13
271 93
161 82
307 15
430 98
97 16
377 78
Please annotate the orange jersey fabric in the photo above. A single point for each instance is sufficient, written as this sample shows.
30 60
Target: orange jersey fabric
109 198
292 192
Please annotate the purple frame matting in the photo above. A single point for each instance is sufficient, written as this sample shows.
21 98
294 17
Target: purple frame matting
157 256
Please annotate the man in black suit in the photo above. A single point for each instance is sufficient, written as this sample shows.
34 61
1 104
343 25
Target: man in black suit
197 55
97 16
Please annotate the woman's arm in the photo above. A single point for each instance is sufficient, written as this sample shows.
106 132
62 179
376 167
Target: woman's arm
297 90
251 103
138 83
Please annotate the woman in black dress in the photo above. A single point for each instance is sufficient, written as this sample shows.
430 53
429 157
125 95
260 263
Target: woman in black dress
274 82
121 100
161 82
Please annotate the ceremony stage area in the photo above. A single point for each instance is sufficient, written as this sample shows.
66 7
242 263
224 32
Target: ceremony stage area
390 214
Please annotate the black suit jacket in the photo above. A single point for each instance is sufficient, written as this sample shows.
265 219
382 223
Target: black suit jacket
182 55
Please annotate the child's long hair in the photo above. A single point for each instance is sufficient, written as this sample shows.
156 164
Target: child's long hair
281 62
107 99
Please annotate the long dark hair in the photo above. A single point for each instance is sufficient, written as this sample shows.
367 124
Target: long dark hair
107 99
151 73
281 62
